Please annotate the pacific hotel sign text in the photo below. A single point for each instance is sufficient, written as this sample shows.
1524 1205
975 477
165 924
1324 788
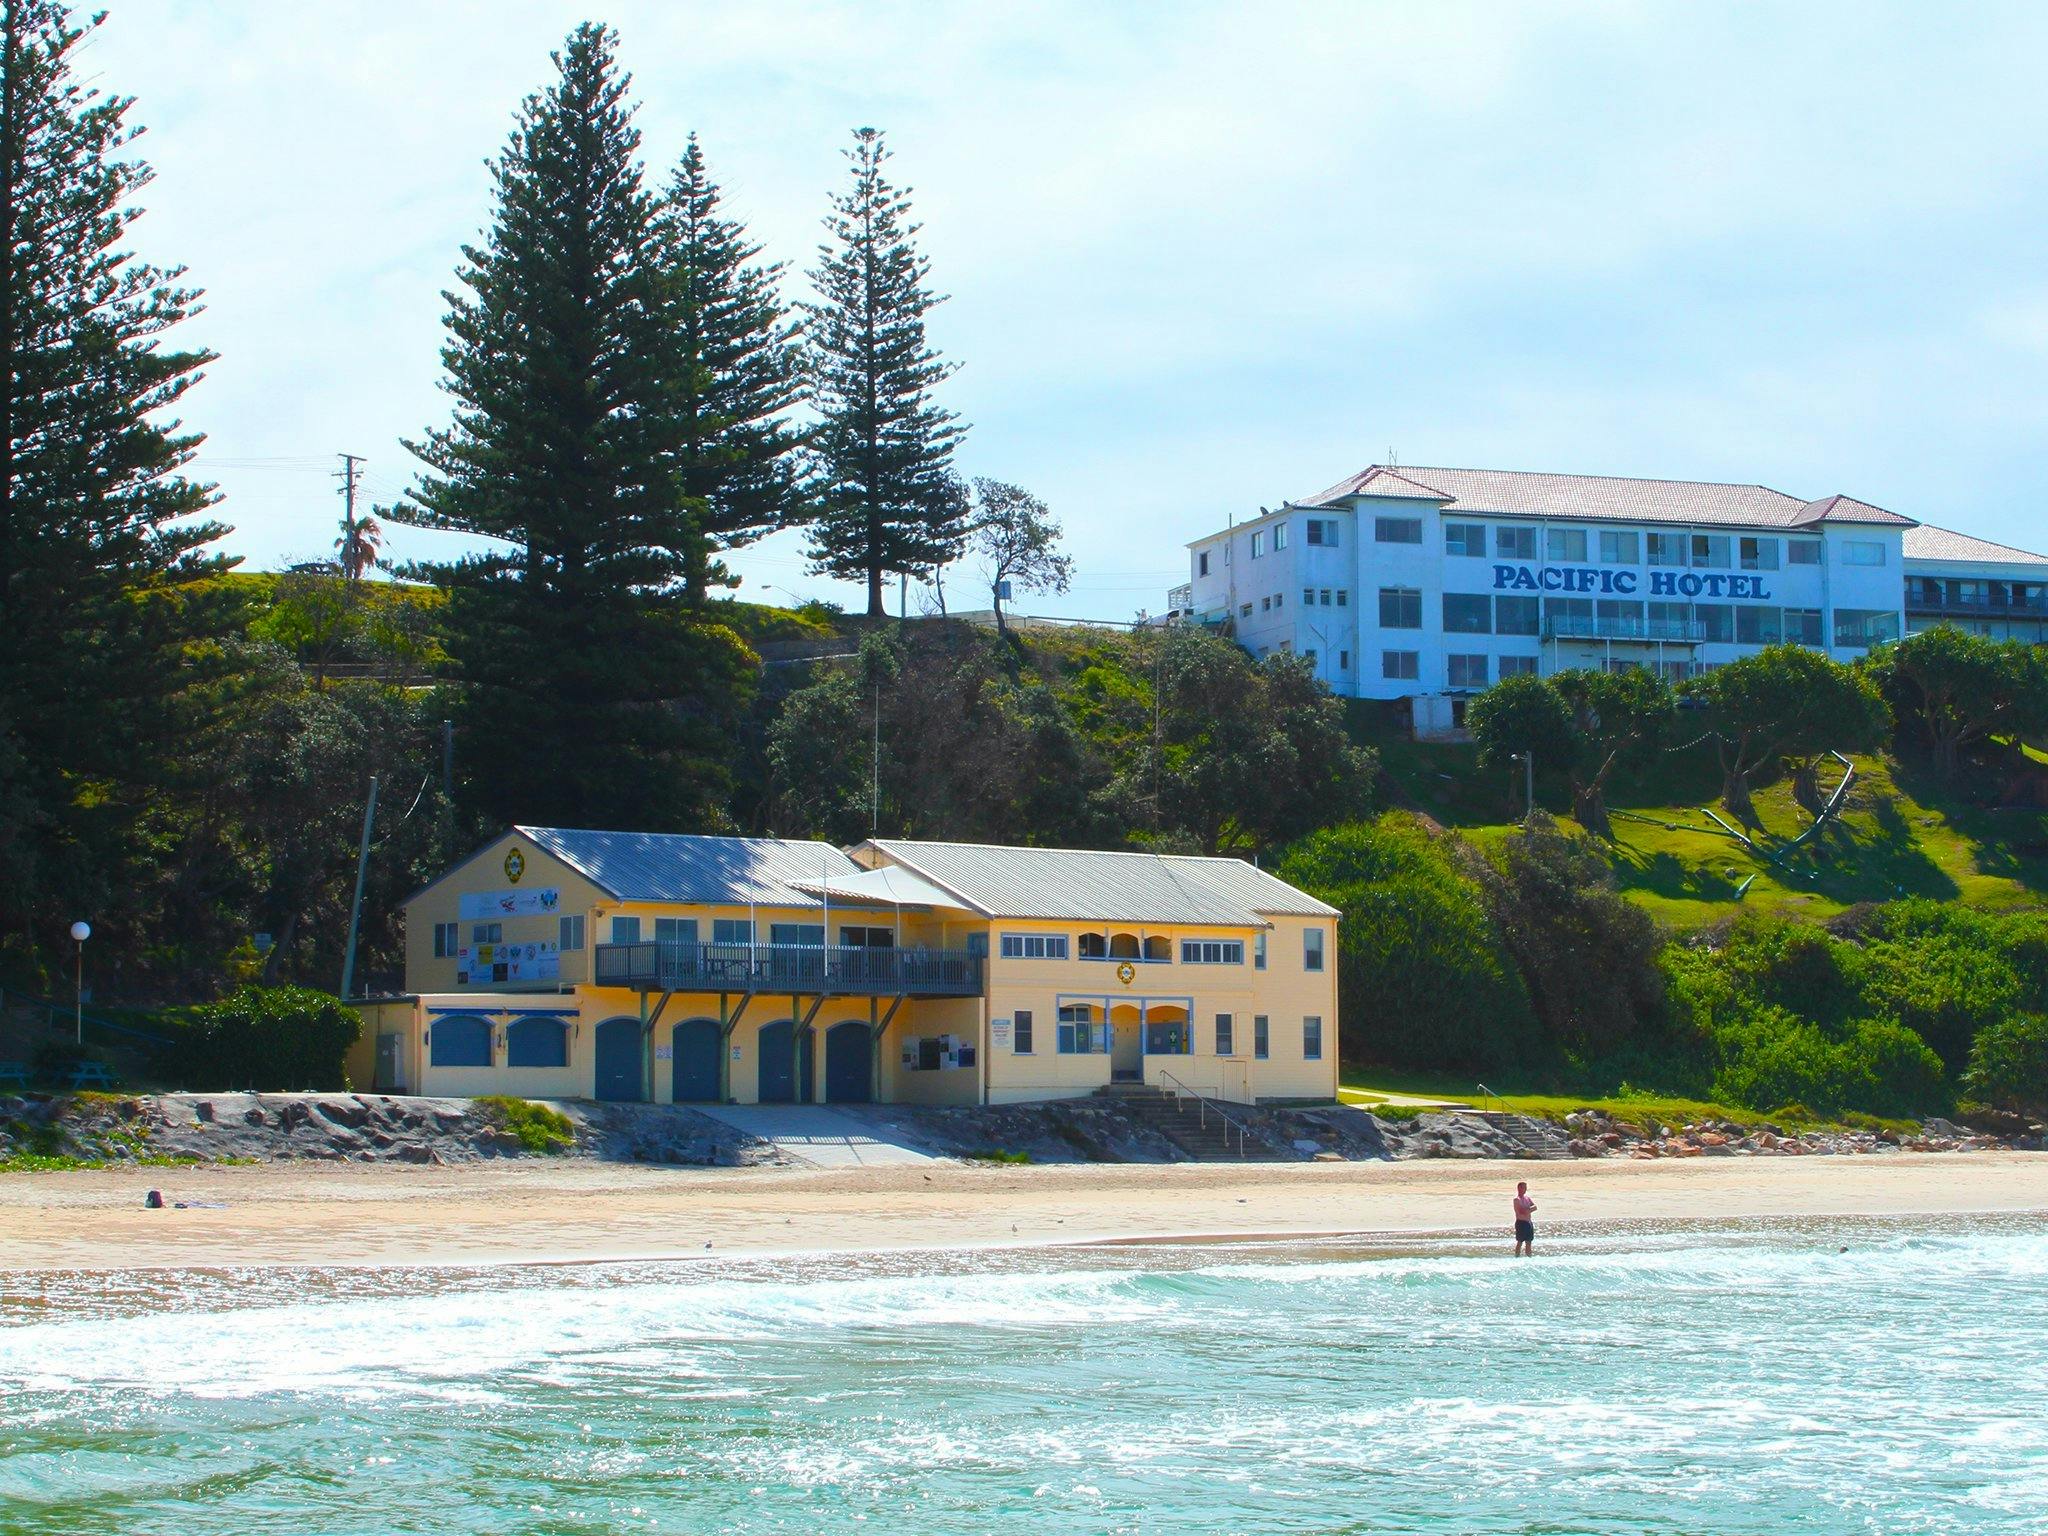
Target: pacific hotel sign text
1580 578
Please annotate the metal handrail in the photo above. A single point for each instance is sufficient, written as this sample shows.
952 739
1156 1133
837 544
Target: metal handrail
1485 1094
1206 1104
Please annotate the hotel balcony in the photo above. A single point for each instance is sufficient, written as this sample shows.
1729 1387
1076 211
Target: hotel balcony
1626 631
807 969
1977 605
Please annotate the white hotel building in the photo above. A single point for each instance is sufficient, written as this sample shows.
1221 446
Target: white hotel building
1431 584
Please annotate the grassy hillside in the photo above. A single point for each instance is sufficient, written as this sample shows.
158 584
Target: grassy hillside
1901 834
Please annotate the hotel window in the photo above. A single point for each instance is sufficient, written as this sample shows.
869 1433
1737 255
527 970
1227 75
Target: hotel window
1326 597
1515 616
1400 608
1308 595
447 940
1080 1032
1212 951
1343 598
1620 617
1670 621
1323 531
1397 530
1262 1037
1863 627
1710 551
486 933
1667 549
1020 1032
811 935
1466 671
1225 1030
1468 613
1759 626
1802 551
1567 612
1279 537
1245 611
1311 949
1757 554
1621 548
1312 1038
1565 544
732 930
675 930
1514 543
1258 543
1862 552
1279 598
1202 563
1516 666
1716 621
572 933
1034 946
1802 626
1259 951
1265 605
1466 539
1401 666
625 930
1343 661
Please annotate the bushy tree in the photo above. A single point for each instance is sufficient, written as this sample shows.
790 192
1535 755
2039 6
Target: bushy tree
109 626
740 373
271 1039
567 449
1423 979
1959 687
1018 538
886 496
1582 722
1587 954
1787 703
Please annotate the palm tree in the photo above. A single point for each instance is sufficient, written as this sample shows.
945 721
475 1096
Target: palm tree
360 540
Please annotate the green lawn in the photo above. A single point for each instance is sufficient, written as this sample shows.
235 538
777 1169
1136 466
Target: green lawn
1900 834
1367 1089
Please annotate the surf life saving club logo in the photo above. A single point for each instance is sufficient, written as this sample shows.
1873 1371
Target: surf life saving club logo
1583 578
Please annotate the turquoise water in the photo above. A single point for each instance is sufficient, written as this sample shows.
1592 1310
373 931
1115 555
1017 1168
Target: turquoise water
1722 1380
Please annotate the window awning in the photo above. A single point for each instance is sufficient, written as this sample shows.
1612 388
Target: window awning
887 886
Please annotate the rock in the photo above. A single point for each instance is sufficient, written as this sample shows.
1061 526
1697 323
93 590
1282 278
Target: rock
1713 1138
413 1152
203 1112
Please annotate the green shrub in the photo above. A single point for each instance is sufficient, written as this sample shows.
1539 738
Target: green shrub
1874 1065
269 1038
2008 1067
1422 977
1399 1113
998 1155
539 1128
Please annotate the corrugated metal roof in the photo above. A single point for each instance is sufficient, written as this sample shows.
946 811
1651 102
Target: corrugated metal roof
1089 886
1606 498
674 866
1926 542
890 885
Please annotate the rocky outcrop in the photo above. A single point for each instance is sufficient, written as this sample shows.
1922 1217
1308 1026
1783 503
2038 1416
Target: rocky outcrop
1596 1133
350 1127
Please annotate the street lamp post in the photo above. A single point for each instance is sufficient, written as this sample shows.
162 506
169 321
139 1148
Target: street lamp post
80 932
1528 762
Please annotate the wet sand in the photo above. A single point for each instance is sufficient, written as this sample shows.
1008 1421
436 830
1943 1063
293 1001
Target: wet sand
296 1214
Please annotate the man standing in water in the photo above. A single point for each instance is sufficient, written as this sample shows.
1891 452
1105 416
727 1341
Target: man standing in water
1525 1224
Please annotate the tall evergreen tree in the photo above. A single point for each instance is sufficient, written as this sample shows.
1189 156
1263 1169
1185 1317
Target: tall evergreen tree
570 642
99 547
742 372
887 498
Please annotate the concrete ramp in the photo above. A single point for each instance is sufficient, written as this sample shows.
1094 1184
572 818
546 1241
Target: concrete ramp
819 1134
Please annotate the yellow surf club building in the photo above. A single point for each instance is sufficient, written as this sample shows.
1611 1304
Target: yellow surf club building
677 969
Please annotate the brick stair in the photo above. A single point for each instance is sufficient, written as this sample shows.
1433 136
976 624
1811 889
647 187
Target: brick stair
1181 1121
1532 1137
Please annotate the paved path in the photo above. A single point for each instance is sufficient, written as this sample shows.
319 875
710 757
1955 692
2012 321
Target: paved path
819 1134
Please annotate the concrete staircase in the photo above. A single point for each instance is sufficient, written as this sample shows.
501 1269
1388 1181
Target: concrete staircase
1532 1137
1206 1138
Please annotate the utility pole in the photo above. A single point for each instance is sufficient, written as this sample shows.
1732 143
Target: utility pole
355 911
1528 762
347 475
448 759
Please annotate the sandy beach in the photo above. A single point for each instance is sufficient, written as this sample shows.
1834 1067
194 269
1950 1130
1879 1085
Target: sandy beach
323 1215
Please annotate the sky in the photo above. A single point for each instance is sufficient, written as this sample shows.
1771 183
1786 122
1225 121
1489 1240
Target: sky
1200 258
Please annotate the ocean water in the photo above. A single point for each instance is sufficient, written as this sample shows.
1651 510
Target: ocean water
1826 1377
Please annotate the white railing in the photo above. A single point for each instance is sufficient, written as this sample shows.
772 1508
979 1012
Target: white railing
1206 1107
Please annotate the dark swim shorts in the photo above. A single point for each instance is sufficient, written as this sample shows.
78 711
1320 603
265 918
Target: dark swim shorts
1525 1231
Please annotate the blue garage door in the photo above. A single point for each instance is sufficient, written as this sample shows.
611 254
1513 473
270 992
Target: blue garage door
847 1077
618 1059
698 1045
778 1063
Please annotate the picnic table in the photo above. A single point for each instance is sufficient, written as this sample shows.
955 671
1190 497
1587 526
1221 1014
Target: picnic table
15 1072
91 1074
